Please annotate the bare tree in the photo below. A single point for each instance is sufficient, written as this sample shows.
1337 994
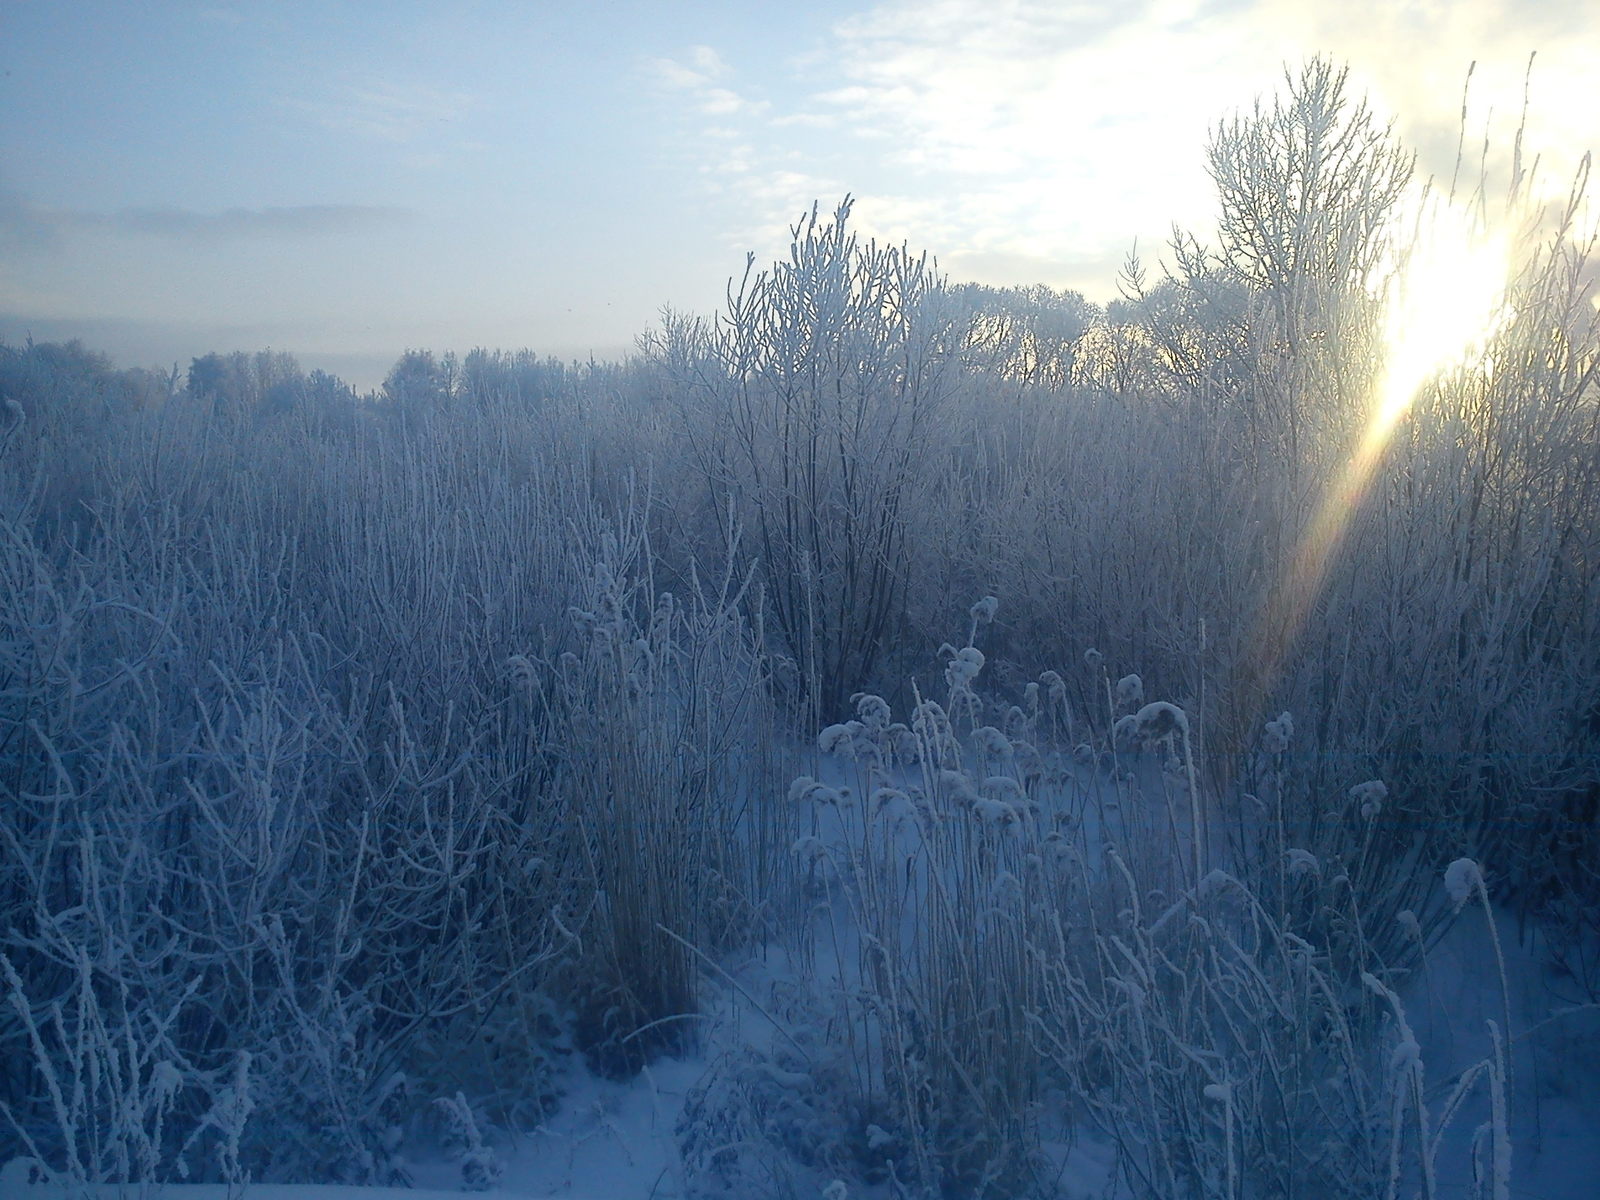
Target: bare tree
824 376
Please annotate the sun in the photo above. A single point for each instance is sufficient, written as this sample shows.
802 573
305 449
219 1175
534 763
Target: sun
1444 299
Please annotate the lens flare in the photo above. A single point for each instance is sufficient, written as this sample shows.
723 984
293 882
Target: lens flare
1444 299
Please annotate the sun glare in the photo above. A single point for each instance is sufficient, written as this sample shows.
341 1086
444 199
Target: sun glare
1444 299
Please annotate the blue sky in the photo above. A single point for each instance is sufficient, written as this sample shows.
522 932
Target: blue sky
346 180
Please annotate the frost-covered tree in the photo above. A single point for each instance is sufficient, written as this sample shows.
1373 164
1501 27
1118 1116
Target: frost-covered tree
811 415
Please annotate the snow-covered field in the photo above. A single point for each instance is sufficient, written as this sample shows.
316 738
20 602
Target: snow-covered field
894 741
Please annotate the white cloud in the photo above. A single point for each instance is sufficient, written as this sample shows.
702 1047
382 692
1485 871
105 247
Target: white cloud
707 61
1010 135
698 78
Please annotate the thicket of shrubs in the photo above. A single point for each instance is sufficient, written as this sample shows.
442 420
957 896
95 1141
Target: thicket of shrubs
358 754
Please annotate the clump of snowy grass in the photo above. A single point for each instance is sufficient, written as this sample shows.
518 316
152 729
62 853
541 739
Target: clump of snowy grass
936 879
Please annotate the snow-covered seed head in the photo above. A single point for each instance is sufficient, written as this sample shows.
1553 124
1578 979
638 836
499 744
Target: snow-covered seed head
1016 722
1056 685
14 414
991 741
1083 754
1030 763
995 814
1369 796
1159 719
1005 894
1030 696
806 790
838 739
1302 862
873 710
1130 691
520 669
809 850
1125 733
956 786
984 610
1461 879
1276 733
963 668
903 743
1093 658
1003 787
929 718
1405 1056
887 801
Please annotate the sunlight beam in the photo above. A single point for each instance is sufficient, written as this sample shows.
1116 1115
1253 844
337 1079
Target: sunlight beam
1443 301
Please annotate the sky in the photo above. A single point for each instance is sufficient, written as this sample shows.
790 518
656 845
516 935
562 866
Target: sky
345 181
